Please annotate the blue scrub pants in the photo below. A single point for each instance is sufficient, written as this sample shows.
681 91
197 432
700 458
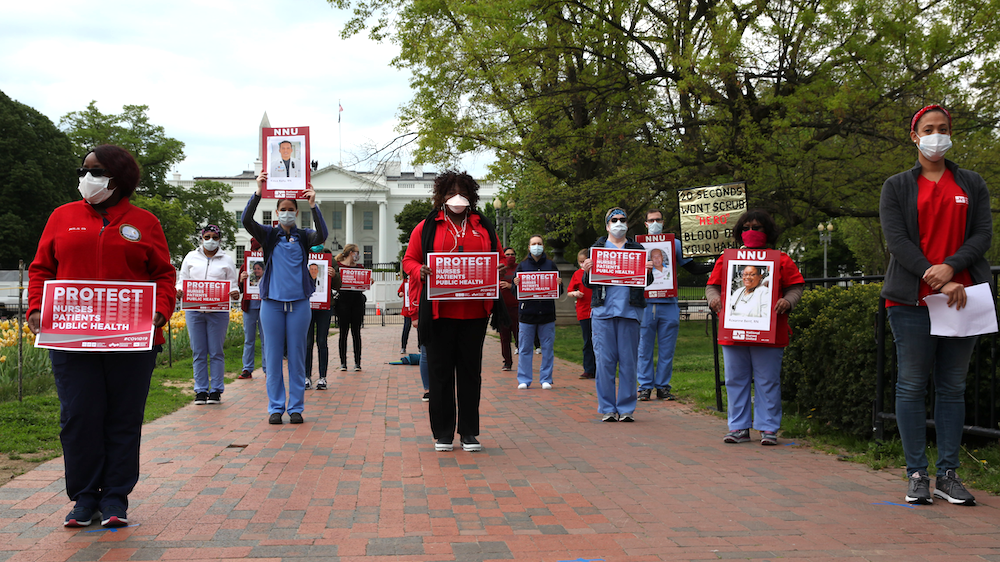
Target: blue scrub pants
526 338
252 327
207 332
746 364
920 356
660 324
102 400
615 347
285 327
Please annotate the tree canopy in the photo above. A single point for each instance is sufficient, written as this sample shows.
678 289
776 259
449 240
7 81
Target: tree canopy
37 174
621 102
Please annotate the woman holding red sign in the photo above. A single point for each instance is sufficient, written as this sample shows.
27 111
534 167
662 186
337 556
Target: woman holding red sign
453 331
102 395
350 308
536 318
756 363
207 329
284 298
615 314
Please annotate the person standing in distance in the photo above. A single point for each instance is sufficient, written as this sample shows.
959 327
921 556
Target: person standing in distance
536 318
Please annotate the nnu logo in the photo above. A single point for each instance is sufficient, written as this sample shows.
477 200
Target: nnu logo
739 335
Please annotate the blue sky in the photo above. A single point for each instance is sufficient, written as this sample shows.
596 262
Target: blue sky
208 71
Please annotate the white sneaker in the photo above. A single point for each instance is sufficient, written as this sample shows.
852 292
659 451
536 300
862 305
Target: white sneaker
522 386
546 386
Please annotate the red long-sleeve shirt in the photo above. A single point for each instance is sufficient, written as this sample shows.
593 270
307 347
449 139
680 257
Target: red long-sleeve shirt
77 245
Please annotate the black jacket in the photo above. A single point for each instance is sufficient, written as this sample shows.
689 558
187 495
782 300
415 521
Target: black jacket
537 311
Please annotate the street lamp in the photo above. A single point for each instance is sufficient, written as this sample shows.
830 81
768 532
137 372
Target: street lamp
825 237
504 219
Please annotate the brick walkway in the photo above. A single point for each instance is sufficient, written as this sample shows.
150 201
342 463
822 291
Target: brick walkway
361 480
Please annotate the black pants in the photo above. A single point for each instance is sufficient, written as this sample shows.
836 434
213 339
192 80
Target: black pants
406 330
508 334
102 400
455 362
350 315
319 333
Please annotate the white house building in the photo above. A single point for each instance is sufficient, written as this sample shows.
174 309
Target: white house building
358 207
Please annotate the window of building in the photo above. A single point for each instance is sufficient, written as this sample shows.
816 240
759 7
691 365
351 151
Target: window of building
239 255
267 218
307 219
369 220
406 185
239 216
368 250
337 222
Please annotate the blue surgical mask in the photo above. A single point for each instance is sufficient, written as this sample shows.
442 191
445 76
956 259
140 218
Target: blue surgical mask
536 249
655 228
286 218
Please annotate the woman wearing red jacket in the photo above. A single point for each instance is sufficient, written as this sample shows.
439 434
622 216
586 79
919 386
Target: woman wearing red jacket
453 331
102 395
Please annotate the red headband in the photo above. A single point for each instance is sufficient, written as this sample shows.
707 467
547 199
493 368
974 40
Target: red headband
919 114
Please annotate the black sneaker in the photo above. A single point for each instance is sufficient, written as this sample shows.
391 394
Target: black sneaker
343 366
275 419
114 516
426 397
470 444
444 444
949 487
610 418
626 418
245 375
215 398
200 398
309 384
79 517
644 395
919 489
295 417
357 367
321 384
664 394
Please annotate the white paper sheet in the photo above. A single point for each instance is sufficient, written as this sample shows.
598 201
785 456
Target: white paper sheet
978 317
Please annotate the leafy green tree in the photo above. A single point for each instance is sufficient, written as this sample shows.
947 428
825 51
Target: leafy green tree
131 130
178 227
621 102
37 174
409 217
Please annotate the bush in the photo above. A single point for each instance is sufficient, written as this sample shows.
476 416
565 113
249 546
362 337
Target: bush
829 366
180 345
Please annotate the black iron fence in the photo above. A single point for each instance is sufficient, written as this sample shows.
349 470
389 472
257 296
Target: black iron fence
982 410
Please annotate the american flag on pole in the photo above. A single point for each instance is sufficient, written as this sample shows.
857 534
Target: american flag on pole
339 112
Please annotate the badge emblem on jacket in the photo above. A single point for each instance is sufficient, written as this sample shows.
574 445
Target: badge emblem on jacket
130 233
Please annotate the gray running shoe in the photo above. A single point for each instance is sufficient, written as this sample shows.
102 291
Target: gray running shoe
949 487
737 436
919 489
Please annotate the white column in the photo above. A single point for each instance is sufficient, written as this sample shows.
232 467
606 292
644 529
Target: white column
383 230
348 223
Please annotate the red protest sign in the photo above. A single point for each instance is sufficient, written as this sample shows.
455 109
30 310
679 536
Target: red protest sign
286 160
320 265
255 271
611 266
463 276
537 285
355 279
749 292
660 251
97 316
205 295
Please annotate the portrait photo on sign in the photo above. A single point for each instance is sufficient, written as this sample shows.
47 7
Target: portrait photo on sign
285 158
662 256
256 271
749 297
319 278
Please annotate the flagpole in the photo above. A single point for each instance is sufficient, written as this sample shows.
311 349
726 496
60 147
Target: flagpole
340 136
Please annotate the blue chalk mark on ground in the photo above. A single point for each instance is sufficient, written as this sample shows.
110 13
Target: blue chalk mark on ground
112 529
896 504
790 444
583 560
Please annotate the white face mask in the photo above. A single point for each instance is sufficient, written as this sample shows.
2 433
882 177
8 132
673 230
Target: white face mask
618 229
654 227
95 190
934 146
286 218
536 249
211 244
457 204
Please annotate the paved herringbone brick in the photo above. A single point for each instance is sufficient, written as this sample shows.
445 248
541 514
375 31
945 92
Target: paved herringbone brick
361 480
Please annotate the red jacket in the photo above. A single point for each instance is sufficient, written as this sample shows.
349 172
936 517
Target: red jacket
476 239
76 245
582 304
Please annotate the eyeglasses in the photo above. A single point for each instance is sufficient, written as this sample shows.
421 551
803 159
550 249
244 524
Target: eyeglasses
616 219
659 220
96 172
757 227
